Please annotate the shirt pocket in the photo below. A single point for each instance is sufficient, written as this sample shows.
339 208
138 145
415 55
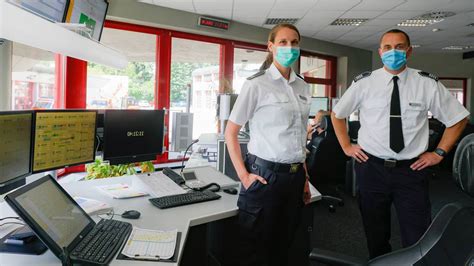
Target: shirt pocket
275 106
304 103
375 111
414 114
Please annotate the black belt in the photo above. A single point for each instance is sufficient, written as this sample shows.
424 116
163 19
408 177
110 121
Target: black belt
276 167
391 163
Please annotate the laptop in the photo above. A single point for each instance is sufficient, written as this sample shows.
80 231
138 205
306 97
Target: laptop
64 227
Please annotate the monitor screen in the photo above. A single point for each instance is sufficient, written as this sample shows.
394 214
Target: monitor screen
318 103
15 148
63 138
133 135
89 12
52 10
51 213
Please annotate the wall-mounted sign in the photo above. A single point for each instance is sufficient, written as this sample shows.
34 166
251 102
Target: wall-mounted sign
214 23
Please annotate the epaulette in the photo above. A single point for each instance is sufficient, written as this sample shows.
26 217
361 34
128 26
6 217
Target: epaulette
258 74
363 75
428 75
299 76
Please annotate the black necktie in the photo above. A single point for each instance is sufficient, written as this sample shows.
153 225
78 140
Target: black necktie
396 131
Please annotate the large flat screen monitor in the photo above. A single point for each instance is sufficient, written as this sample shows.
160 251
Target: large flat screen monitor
89 12
318 103
133 135
54 10
15 149
63 138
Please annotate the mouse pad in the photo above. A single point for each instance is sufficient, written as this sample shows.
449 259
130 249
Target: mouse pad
172 259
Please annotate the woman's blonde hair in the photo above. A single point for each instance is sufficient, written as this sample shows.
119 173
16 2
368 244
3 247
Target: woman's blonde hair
271 38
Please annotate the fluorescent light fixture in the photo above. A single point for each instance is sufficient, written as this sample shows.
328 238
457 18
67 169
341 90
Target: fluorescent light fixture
276 21
458 47
426 19
349 21
416 45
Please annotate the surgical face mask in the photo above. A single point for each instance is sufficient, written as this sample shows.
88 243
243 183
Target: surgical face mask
287 55
394 59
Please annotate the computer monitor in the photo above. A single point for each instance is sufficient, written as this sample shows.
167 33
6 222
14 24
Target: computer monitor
54 11
133 135
15 149
91 13
63 138
318 103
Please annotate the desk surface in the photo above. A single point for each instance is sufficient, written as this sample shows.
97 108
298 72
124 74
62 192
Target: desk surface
151 218
181 218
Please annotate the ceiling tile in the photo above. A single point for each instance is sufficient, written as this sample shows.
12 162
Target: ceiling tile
384 5
400 14
417 5
185 5
362 14
331 5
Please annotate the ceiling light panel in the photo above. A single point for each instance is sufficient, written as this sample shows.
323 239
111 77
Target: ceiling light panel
349 21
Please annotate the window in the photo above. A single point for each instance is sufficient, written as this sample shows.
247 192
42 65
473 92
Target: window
33 79
129 88
320 73
246 63
195 83
457 87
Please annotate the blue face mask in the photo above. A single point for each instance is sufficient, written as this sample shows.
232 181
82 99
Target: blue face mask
286 55
394 59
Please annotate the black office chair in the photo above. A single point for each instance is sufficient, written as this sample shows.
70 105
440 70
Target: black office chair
448 241
326 161
463 164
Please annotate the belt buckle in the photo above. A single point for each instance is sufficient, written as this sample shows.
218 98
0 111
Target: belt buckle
294 167
390 163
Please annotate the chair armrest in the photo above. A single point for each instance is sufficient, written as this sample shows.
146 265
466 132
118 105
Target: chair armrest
334 258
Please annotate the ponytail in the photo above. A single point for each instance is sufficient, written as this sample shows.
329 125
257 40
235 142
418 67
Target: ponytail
268 62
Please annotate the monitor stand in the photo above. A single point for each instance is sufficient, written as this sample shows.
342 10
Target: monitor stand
32 245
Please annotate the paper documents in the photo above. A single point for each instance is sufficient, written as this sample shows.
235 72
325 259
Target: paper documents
151 244
91 206
121 191
157 184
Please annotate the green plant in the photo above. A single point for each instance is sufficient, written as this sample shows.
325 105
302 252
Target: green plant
101 169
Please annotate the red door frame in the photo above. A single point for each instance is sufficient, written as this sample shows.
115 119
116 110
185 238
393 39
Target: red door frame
75 87
331 73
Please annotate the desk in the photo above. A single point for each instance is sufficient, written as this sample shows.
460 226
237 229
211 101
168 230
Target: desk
181 218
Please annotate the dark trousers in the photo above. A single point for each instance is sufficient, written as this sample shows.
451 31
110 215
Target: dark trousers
379 187
269 215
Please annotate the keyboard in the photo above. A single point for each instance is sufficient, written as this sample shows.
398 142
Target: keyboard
184 199
102 243
177 178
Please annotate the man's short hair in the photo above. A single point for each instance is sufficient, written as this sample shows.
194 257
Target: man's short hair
396 31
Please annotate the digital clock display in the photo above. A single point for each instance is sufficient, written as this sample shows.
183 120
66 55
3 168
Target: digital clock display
214 23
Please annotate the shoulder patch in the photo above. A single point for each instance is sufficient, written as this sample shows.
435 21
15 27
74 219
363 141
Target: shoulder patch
363 75
428 75
299 76
258 74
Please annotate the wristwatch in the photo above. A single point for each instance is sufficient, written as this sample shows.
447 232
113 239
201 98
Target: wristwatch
440 152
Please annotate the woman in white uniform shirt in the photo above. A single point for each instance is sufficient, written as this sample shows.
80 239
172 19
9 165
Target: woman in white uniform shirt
276 102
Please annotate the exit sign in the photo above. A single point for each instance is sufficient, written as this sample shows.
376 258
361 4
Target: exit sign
214 23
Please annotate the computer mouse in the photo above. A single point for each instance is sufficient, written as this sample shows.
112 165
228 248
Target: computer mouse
230 190
131 214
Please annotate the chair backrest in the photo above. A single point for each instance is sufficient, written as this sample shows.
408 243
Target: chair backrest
448 241
463 164
326 160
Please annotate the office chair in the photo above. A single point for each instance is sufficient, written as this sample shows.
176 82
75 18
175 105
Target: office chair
463 164
326 161
449 240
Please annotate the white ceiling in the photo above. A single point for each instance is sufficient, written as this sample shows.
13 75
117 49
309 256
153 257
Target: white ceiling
316 15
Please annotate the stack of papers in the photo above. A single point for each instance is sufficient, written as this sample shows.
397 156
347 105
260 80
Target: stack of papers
151 244
91 206
121 191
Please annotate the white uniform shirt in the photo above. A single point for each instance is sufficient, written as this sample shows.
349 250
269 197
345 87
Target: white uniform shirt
278 112
419 94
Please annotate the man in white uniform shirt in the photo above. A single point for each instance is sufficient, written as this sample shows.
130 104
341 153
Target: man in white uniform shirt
392 161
